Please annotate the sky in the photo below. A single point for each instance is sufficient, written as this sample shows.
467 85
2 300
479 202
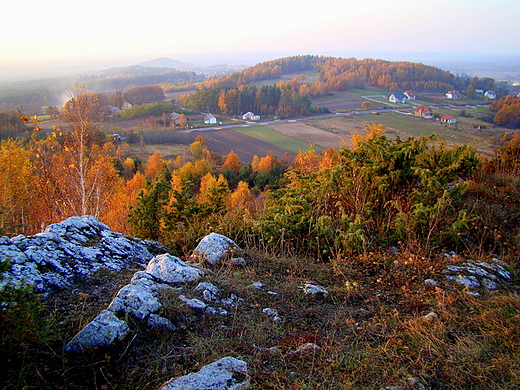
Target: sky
61 33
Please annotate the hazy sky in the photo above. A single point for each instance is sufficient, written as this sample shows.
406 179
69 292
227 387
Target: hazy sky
37 32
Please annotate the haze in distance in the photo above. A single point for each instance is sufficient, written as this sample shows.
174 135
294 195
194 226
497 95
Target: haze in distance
60 37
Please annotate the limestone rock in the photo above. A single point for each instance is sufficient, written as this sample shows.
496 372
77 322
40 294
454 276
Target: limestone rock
171 269
72 249
158 322
270 312
227 373
215 248
100 332
194 303
314 290
135 300
475 274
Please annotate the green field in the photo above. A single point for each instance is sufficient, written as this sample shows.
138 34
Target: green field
277 139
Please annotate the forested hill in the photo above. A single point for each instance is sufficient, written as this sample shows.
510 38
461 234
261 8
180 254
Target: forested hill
338 74
238 93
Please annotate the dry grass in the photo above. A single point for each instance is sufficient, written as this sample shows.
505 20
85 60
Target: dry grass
369 330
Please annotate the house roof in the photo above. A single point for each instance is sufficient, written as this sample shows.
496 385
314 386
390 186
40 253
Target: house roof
409 93
422 109
447 117
399 95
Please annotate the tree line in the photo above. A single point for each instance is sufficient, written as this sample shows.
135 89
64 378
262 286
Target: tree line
379 192
236 93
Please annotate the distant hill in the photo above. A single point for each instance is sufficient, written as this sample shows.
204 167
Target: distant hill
165 62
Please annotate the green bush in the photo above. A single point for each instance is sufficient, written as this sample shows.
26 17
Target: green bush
147 109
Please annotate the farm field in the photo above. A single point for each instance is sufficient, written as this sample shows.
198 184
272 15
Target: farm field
463 132
321 139
288 141
345 100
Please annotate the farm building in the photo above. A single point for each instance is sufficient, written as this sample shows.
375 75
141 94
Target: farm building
397 97
448 119
175 118
452 94
425 112
249 116
410 94
210 119
490 94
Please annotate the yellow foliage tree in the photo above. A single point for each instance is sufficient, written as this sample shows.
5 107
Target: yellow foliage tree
19 198
266 163
232 162
155 166
242 198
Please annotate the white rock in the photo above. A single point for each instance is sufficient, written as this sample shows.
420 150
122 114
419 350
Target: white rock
470 282
208 287
102 331
225 374
270 312
430 282
214 248
257 285
194 303
238 261
159 322
314 290
135 300
76 247
171 269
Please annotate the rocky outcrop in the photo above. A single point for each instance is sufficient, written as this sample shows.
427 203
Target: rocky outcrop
139 299
216 248
478 275
71 250
225 374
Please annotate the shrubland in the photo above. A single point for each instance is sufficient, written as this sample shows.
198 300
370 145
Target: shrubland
370 222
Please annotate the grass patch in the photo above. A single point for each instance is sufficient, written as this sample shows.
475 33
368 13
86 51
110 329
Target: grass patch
275 138
368 331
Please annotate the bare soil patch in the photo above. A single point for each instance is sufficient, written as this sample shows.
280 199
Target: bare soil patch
310 134
225 140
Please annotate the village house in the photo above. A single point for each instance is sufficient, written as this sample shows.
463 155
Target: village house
126 106
210 119
425 112
490 94
249 116
448 119
452 94
397 97
174 118
409 94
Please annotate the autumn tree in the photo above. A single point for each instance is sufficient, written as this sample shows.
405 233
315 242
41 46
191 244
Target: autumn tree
232 162
19 198
76 175
242 198
155 166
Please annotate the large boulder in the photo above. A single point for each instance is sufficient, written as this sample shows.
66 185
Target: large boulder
227 373
171 269
215 248
69 250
